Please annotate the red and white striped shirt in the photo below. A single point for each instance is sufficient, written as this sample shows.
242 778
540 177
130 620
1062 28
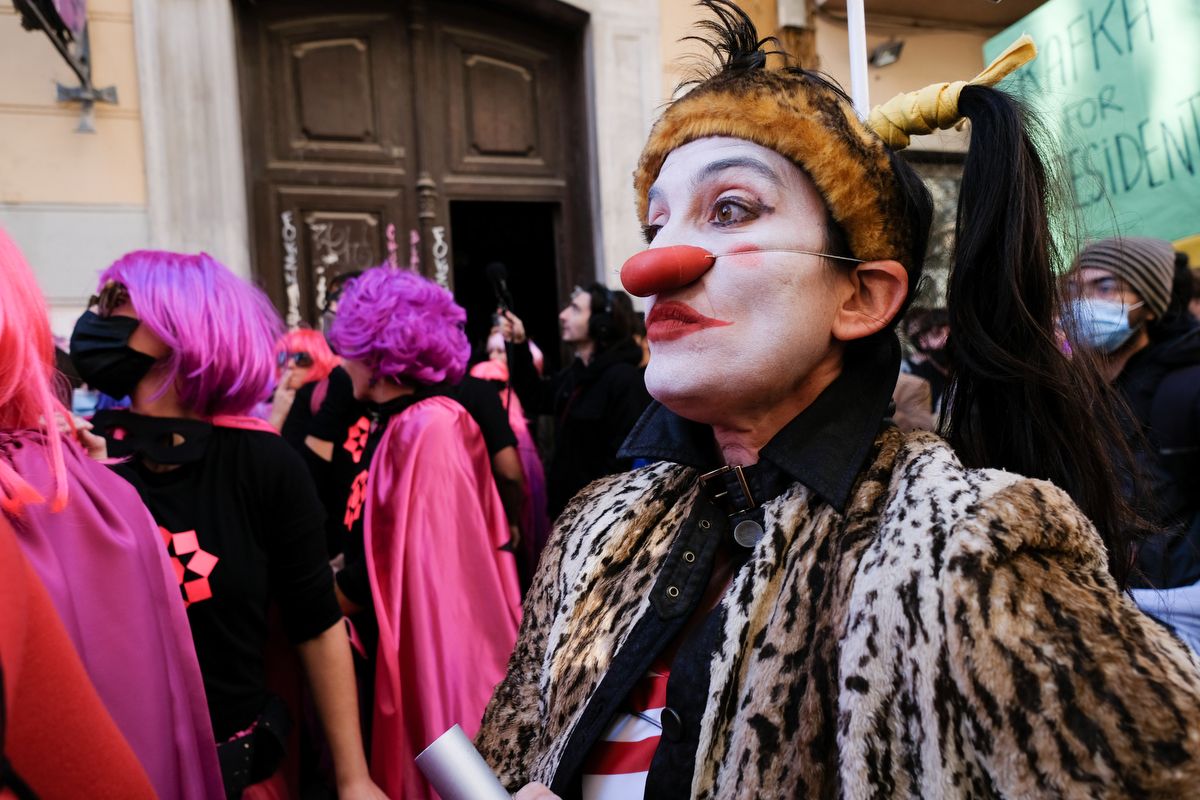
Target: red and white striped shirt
616 768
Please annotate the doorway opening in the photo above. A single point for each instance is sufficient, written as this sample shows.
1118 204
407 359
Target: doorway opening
521 236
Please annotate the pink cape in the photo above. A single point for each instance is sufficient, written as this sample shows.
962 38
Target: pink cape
103 563
446 599
535 524
243 422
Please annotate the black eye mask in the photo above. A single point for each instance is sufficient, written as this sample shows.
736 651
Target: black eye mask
101 353
163 440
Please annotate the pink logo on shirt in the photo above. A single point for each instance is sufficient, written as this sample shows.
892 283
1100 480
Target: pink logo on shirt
191 564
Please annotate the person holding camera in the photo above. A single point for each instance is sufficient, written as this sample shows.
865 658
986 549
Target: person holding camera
595 401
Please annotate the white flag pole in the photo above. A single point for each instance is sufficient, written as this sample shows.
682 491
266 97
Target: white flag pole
856 24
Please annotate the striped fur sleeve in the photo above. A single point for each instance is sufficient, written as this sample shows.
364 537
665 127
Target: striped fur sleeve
1066 688
514 717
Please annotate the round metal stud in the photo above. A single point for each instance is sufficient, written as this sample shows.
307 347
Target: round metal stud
747 533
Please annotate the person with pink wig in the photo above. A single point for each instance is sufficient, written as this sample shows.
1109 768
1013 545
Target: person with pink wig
97 551
327 426
498 351
423 562
194 348
47 699
307 373
302 358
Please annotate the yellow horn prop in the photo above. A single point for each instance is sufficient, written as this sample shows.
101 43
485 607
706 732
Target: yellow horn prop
936 106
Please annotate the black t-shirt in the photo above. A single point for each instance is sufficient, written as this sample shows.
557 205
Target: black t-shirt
245 528
353 579
481 399
338 409
297 426
345 422
339 419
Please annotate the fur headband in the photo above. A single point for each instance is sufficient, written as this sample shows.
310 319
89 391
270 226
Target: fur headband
808 120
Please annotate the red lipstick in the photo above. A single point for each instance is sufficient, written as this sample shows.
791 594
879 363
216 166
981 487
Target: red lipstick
670 320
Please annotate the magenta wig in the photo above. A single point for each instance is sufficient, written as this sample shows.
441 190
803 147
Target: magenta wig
221 331
306 340
27 371
403 327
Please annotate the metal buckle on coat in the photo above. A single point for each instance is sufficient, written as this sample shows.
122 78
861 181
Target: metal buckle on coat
722 498
746 532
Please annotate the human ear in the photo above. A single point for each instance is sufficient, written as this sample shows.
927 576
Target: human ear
878 289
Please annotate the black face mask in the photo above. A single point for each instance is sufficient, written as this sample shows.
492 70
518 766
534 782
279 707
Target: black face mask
101 353
163 440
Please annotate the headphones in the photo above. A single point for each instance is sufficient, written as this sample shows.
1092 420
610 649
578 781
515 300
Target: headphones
601 325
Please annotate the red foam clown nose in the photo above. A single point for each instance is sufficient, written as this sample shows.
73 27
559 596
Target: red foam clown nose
663 268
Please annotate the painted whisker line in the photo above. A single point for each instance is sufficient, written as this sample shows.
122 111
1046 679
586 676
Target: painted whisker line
617 271
790 250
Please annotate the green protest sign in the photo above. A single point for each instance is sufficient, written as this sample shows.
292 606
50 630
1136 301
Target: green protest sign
1118 83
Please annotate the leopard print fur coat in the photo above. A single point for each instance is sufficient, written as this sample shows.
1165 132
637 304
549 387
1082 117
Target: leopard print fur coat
954 633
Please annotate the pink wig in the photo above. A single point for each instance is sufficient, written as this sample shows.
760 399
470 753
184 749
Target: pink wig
221 331
403 327
306 340
26 375
490 370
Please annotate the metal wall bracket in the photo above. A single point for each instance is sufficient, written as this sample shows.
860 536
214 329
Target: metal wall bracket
74 45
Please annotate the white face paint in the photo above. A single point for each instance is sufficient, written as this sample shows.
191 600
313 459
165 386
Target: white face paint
752 330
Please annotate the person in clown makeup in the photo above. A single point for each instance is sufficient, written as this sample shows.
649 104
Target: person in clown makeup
795 598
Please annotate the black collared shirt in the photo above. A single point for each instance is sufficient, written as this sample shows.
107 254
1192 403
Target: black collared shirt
823 448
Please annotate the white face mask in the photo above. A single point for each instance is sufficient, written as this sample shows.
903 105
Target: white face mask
1103 324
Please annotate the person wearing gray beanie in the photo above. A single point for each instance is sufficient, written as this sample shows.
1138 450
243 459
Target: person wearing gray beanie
1151 349
1124 285
1147 265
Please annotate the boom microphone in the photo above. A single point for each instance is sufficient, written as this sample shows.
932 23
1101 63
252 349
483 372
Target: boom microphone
497 273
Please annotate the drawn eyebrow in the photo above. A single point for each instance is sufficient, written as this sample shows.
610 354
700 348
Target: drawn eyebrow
743 162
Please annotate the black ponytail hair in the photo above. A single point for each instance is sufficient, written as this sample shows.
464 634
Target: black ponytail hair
1017 400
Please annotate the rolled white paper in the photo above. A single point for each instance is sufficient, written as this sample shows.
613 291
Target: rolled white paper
457 771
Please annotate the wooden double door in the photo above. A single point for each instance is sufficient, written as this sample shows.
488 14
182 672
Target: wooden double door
440 135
